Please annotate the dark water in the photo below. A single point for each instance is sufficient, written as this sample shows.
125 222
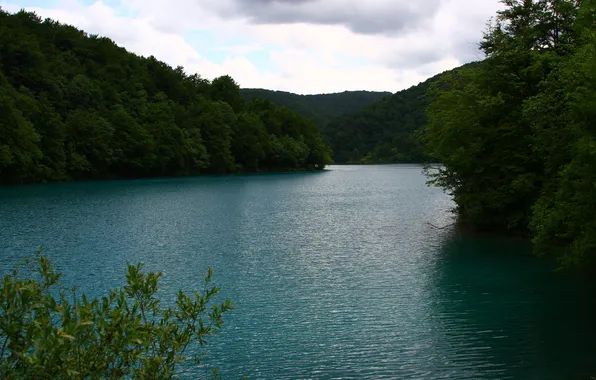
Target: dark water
335 275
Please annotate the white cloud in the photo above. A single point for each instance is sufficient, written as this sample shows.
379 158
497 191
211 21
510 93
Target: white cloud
325 54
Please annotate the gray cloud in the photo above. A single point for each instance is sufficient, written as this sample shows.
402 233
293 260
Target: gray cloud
416 59
393 44
363 17
425 31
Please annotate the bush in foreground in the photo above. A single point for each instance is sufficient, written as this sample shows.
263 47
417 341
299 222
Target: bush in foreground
48 332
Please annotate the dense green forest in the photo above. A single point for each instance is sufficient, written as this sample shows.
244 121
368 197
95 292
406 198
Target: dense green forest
76 106
387 131
383 132
517 134
321 108
361 126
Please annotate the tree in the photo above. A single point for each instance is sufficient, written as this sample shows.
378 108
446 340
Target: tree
19 151
384 131
89 144
516 136
477 126
227 90
321 108
45 332
249 141
77 106
564 213
216 122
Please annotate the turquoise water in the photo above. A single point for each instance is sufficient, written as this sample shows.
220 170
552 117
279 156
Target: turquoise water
338 274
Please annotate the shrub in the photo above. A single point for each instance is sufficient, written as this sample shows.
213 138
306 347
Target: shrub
49 332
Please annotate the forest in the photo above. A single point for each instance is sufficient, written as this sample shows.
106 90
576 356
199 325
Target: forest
361 126
382 132
517 133
75 106
366 127
321 108
386 131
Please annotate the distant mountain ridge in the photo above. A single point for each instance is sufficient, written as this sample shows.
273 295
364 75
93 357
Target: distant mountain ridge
322 108
362 126
384 131
387 131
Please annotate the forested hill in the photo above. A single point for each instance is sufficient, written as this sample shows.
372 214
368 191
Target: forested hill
77 106
321 108
387 131
517 133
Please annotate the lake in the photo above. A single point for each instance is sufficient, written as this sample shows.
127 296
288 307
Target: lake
342 274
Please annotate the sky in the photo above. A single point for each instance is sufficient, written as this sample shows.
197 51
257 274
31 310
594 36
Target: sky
301 46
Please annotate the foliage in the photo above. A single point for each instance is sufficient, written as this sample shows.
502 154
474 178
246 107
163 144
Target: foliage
383 132
516 133
365 127
47 332
321 108
564 212
387 131
77 106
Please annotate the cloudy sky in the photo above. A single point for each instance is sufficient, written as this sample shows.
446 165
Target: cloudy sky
303 46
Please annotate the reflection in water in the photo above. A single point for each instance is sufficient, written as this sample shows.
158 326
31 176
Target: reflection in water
499 310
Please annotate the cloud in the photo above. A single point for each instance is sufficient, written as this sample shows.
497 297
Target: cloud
304 46
367 17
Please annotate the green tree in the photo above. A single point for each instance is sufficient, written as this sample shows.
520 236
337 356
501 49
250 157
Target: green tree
385 131
216 123
19 151
52 131
477 126
133 145
48 332
89 144
227 90
249 141
516 135
77 106
564 212
321 108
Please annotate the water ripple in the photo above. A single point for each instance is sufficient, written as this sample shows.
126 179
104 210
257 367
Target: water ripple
335 275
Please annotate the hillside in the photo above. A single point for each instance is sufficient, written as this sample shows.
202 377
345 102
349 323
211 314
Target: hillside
387 131
321 108
361 126
76 106
516 135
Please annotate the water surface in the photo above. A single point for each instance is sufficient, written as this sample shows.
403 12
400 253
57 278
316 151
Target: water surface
339 274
